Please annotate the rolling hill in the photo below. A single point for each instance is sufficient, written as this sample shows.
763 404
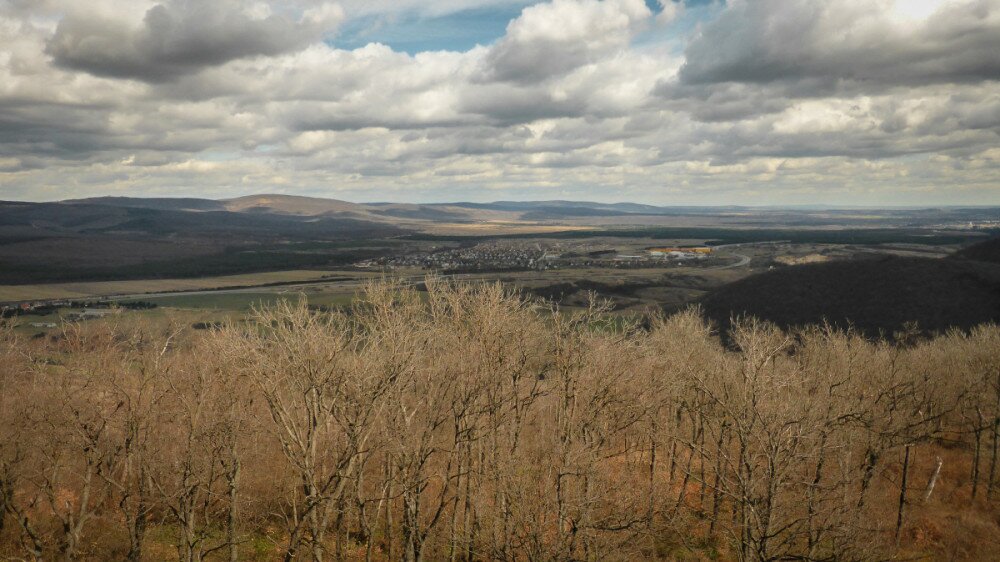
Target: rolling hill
293 205
400 214
116 238
553 212
158 203
875 295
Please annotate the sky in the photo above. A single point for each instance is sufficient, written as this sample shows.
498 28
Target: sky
750 102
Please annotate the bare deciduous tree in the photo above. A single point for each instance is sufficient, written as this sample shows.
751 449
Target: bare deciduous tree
464 422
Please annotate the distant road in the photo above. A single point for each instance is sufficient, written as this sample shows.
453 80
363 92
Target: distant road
751 244
744 260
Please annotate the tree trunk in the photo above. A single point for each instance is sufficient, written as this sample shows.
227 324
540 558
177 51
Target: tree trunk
695 436
411 526
993 459
814 534
652 481
933 480
716 492
975 458
388 512
232 479
902 493
6 493
673 443
701 461
468 517
136 520
870 463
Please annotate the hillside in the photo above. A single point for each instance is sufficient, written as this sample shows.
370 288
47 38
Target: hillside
550 212
878 294
159 203
988 250
128 239
292 205
156 219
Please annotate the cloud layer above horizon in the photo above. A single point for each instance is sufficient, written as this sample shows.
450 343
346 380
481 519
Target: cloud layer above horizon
747 101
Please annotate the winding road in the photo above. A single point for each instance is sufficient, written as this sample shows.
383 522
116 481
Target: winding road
744 260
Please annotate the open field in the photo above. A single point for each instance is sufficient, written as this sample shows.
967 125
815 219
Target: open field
245 300
85 290
497 228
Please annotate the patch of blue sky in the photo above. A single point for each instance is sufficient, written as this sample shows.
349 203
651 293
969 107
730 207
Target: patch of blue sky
677 33
412 33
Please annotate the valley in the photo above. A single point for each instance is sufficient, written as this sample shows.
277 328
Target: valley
213 258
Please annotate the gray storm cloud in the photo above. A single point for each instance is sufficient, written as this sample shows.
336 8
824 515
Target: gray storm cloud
178 37
851 44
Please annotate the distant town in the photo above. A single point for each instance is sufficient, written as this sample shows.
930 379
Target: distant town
80 310
524 256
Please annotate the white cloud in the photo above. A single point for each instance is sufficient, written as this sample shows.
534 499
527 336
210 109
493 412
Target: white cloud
670 10
843 100
552 39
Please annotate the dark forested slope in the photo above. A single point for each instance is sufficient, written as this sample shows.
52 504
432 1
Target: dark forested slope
881 294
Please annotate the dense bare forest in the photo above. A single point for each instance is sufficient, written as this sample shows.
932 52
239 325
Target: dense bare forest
466 423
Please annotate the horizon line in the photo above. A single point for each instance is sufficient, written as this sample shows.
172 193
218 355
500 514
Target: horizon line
829 206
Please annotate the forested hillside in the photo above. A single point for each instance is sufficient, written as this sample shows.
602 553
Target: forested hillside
470 424
877 295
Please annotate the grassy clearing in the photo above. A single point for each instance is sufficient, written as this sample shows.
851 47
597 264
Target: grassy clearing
138 287
224 301
245 300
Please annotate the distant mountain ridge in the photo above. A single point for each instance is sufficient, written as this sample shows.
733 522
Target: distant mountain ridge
123 238
292 205
160 203
305 205
535 211
314 206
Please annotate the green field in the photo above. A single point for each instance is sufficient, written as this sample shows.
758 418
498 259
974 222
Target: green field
49 291
245 300
220 301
